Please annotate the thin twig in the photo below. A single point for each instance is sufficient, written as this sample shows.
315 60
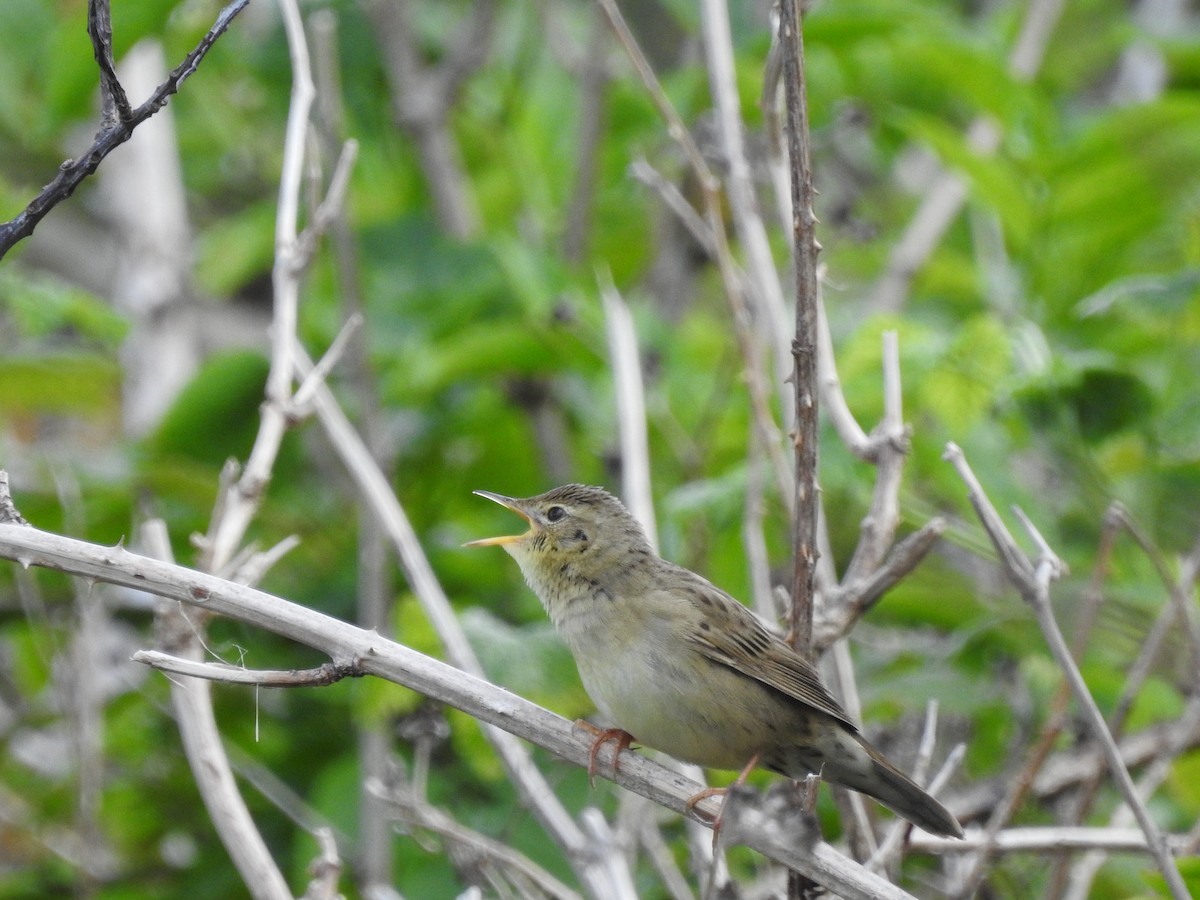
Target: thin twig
320 372
626 364
448 684
326 869
1047 839
732 279
114 104
890 848
376 494
1033 585
202 744
73 171
1085 869
1020 785
461 840
832 397
244 498
889 446
321 676
837 616
767 291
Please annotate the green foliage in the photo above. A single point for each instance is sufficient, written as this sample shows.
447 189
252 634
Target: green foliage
1053 332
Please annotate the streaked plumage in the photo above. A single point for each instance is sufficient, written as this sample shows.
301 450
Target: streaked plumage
681 665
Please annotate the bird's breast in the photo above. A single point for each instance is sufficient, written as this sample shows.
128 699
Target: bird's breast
646 680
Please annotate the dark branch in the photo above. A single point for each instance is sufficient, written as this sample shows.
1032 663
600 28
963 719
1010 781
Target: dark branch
114 105
804 346
115 131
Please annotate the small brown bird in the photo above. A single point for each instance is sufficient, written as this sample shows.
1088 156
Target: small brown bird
682 666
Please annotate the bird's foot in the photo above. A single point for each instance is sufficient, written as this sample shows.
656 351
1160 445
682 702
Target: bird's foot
690 805
604 736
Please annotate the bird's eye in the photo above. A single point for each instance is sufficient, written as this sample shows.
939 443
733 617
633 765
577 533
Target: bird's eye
555 514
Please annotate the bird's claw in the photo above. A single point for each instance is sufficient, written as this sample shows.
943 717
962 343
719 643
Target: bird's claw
604 736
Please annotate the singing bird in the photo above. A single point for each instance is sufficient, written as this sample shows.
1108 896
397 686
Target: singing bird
681 666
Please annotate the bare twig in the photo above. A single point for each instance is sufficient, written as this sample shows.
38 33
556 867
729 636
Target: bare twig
321 676
1050 839
838 616
326 869
1020 785
9 514
1032 582
376 494
463 842
888 450
732 279
114 104
626 365
767 291
320 372
894 841
1085 869
1066 770
769 435
241 502
663 862
202 744
1116 519
110 136
379 656
804 345
836 407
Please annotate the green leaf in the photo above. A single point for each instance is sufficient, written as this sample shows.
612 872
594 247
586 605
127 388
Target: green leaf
60 383
993 180
961 389
217 415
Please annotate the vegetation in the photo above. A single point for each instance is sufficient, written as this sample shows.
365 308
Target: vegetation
1024 216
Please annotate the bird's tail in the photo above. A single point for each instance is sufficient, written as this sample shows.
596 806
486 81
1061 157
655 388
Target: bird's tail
871 773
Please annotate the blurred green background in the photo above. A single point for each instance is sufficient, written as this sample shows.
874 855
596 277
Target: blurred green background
1054 333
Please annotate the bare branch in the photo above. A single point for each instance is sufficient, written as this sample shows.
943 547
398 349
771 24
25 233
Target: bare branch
1055 839
838 615
110 136
804 346
378 656
242 500
204 748
377 495
767 291
326 869
732 279
320 372
626 365
114 104
324 675
1033 584
466 842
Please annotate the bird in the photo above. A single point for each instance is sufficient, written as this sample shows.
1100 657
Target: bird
680 666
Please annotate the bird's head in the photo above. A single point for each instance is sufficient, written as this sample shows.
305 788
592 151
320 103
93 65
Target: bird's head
574 529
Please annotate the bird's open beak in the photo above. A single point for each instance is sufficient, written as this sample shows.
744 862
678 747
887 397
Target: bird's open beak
510 503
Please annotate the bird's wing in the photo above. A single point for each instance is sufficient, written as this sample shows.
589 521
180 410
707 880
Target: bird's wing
728 633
